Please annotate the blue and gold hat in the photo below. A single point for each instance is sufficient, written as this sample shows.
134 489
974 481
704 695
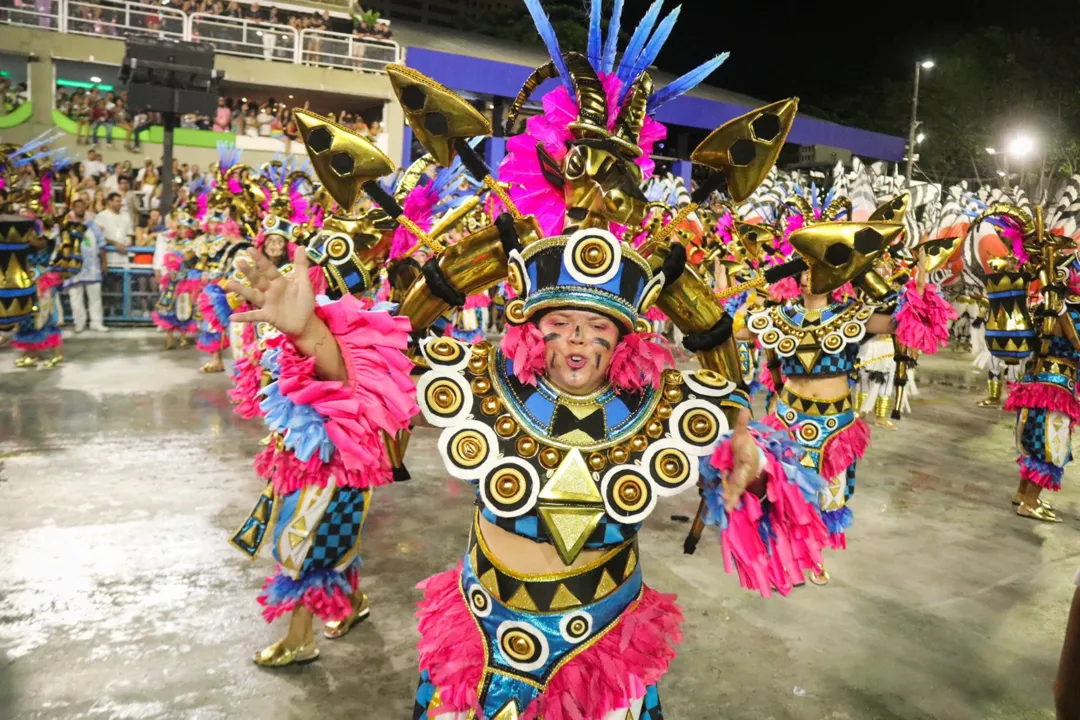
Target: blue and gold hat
588 270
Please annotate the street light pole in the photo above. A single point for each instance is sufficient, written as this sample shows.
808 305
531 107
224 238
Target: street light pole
914 125
919 67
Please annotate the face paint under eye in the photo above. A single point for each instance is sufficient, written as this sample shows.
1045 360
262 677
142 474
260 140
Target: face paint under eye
551 336
602 343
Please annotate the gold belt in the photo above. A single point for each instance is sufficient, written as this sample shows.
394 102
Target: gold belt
557 592
815 406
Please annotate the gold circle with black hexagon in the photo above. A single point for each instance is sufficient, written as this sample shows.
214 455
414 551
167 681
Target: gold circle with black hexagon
520 647
468 448
506 426
443 397
699 427
515 311
670 467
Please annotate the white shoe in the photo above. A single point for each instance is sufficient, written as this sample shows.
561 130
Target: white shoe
101 329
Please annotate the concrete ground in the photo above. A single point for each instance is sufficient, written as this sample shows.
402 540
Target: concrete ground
125 471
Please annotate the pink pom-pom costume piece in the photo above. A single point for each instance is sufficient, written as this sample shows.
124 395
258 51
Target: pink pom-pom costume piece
524 346
479 300
922 320
639 361
418 207
784 290
1043 396
655 314
247 384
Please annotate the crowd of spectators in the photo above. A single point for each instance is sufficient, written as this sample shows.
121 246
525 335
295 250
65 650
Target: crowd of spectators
105 116
12 95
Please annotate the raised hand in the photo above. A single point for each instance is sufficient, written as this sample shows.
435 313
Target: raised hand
285 301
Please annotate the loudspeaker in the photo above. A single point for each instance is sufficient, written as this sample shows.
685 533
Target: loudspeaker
170 76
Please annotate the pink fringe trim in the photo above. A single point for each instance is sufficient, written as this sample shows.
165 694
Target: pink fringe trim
55 340
327 606
1041 478
379 396
187 328
840 450
1025 395
479 300
222 344
247 379
797 531
784 290
48 281
209 314
524 345
766 379
607 676
922 322
655 314
639 361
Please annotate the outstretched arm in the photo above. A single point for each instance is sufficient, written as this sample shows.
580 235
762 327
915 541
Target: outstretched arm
288 303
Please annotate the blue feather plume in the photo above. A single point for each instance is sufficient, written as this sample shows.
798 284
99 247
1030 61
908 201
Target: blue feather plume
596 12
611 45
686 83
43 139
547 32
652 48
627 68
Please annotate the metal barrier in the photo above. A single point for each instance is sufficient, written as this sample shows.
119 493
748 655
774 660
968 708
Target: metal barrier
232 36
123 19
244 37
339 50
43 14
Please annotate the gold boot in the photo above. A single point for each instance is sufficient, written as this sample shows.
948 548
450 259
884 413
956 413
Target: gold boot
338 628
26 361
881 412
1039 512
993 400
820 578
860 400
170 343
56 360
183 342
279 656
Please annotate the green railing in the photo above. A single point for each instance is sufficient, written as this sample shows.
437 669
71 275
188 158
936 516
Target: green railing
17 116
183 137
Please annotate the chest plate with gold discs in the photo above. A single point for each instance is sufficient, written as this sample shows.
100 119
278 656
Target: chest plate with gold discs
572 461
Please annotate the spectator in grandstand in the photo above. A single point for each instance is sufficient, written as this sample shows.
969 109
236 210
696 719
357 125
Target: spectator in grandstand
223 115
141 123
148 227
146 180
265 118
100 117
93 167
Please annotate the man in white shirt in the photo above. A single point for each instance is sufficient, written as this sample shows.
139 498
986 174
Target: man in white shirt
111 183
93 165
112 226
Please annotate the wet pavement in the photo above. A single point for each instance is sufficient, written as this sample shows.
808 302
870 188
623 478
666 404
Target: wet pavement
124 471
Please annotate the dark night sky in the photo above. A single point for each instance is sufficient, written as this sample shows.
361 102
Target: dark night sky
818 50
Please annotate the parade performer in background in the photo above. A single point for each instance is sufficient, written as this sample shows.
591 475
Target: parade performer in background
572 427
1045 328
174 311
816 339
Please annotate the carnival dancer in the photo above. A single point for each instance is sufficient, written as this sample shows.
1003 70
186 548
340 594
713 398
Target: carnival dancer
572 427
180 283
815 340
41 332
1045 399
